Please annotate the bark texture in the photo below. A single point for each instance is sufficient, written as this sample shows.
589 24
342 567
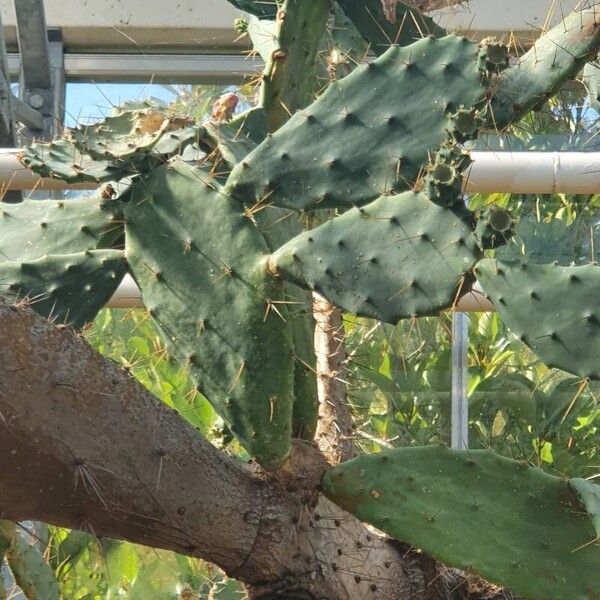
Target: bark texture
334 429
85 446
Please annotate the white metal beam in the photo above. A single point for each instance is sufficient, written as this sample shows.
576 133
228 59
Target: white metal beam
509 172
146 26
158 68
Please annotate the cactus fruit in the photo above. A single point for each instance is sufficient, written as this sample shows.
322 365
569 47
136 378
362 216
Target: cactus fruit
200 264
495 227
383 23
35 228
66 288
398 257
557 56
550 308
368 133
512 524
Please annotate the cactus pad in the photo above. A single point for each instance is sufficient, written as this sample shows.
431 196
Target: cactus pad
556 57
200 263
300 27
67 288
117 147
60 159
550 308
35 228
369 133
397 257
383 23
512 524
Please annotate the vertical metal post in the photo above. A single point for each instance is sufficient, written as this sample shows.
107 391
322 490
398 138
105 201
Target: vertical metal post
7 120
42 80
460 405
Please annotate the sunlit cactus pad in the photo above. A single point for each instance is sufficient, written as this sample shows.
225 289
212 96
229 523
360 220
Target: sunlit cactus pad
398 257
552 309
35 228
369 133
510 523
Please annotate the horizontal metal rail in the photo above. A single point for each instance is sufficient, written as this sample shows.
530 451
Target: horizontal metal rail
156 68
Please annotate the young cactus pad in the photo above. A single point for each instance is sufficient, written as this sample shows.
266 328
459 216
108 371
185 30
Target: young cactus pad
512 524
200 263
550 308
369 133
398 257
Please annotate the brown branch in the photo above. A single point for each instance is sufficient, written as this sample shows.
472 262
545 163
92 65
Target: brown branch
83 445
334 429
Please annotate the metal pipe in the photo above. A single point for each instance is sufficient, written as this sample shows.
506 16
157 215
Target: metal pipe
460 402
128 295
534 173
491 172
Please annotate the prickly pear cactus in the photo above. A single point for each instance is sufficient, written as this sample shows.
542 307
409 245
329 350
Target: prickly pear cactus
217 249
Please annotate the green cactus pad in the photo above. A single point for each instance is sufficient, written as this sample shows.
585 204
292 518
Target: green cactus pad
36 228
557 56
125 135
589 495
289 79
398 257
67 288
278 227
550 308
399 24
512 524
200 263
60 159
234 140
369 133
117 147
30 569
343 48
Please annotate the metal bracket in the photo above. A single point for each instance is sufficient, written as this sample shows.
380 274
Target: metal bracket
42 79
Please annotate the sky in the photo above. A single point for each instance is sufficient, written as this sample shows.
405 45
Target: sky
91 101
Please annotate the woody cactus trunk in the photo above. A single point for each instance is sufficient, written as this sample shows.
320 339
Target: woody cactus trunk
375 154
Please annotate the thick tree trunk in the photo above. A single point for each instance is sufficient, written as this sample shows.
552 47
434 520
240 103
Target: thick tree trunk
83 445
